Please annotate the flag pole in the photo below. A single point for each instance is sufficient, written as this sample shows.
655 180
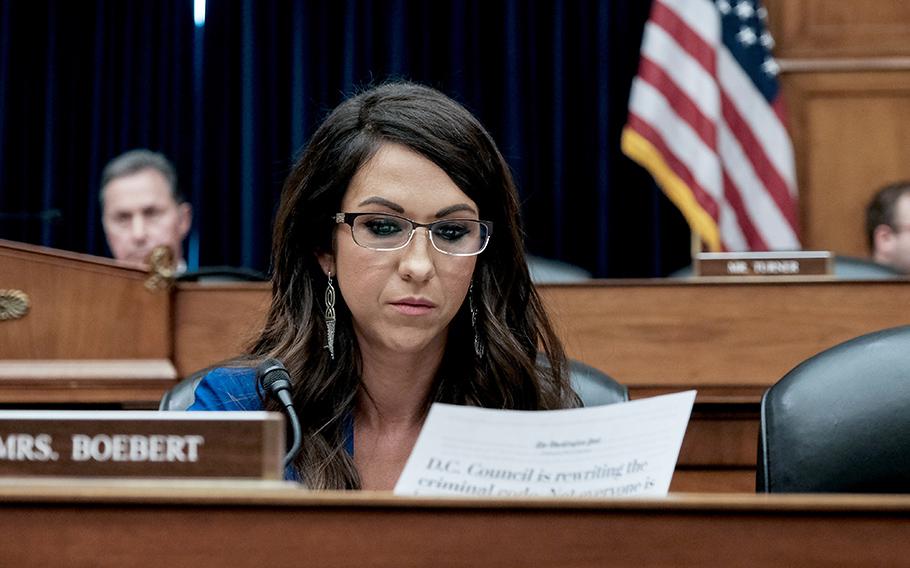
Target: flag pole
695 245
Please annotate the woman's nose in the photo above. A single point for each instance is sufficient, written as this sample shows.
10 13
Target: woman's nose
417 262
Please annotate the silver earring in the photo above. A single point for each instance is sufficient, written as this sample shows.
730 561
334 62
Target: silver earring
478 345
330 317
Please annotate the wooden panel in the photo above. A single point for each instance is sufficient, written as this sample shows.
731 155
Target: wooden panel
82 307
729 340
840 28
719 450
213 322
846 81
713 480
850 132
134 383
236 525
721 436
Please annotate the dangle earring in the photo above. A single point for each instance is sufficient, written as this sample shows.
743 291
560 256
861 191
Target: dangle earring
330 317
478 345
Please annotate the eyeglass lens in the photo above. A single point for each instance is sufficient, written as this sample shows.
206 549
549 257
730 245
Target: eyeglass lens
452 236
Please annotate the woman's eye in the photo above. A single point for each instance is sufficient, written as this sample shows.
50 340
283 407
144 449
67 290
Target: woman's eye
383 226
451 231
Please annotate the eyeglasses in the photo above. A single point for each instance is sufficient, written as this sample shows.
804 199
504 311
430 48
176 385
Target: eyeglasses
386 232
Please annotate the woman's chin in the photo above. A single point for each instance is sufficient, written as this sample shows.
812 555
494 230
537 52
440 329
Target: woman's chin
407 344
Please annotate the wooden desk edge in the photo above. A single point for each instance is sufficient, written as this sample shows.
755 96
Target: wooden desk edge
215 492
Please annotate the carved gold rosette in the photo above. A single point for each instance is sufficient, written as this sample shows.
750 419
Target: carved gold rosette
162 271
14 304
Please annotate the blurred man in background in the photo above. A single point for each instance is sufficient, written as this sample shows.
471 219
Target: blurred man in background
141 207
888 226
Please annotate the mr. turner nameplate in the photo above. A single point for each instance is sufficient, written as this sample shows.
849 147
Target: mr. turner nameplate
141 444
777 263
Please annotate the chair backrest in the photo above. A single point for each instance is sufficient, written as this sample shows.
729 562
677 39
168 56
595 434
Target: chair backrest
551 271
182 395
840 421
223 274
862 269
593 386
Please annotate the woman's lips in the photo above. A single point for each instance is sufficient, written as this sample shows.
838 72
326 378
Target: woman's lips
413 307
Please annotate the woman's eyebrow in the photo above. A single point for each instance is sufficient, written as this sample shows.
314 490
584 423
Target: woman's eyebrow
453 208
384 202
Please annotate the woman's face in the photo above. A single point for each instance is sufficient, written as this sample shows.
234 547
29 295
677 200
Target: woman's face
402 301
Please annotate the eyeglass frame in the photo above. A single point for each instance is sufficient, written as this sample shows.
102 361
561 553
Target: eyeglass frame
342 218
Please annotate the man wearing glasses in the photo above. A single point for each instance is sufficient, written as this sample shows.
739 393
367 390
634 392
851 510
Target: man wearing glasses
888 226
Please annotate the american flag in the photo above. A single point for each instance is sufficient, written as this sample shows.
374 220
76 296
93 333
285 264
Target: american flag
706 120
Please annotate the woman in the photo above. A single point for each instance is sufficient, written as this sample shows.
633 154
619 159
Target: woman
391 290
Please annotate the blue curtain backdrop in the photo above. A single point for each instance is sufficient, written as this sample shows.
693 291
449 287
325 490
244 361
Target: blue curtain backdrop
233 101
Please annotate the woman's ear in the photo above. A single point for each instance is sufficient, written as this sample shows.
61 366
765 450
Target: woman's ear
326 262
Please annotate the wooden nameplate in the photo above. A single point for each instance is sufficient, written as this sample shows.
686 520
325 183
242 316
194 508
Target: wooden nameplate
237 445
778 263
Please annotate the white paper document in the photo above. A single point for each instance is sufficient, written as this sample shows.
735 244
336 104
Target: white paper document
619 450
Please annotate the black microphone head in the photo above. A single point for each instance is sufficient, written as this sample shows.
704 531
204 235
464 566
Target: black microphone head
272 375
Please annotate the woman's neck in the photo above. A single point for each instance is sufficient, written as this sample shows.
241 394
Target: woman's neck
390 411
396 386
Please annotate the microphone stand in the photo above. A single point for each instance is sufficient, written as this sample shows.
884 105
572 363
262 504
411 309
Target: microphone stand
276 381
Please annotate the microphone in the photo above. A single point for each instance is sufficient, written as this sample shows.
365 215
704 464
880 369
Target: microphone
276 381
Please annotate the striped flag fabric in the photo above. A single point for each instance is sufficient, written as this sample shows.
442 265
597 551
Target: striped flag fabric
706 120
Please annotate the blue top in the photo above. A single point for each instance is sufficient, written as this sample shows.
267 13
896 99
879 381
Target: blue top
227 388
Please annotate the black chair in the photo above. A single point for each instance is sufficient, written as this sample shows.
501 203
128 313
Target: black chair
213 274
840 421
851 267
182 395
551 271
594 387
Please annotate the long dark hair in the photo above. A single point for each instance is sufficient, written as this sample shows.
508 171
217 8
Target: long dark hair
510 323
